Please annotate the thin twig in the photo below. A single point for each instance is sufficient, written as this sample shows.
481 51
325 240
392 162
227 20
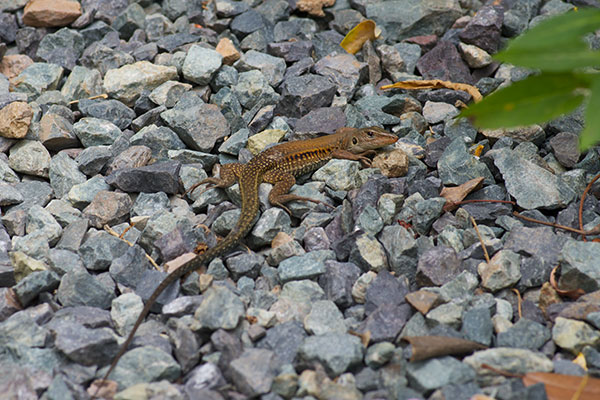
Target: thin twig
519 303
594 231
584 194
115 234
485 252
100 96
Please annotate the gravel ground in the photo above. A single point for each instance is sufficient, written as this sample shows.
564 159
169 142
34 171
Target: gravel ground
319 303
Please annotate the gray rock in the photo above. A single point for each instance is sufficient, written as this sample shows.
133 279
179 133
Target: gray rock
573 335
200 64
64 173
29 157
63 212
220 309
477 325
145 364
437 266
128 82
80 288
515 361
284 339
304 93
63 261
578 270
271 67
484 29
38 78
109 110
324 317
93 159
82 83
525 334
456 165
64 47
150 203
99 249
85 346
531 185
158 139
401 248
22 328
199 125
35 283
129 268
368 253
503 270
158 177
437 372
253 372
337 282
306 266
245 265
270 223
129 20
253 90
337 352
41 221
96 132
108 208
385 322
343 70
80 195
444 62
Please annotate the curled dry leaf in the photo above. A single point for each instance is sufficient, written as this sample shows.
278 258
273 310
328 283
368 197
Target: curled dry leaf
425 347
354 40
436 84
573 294
564 387
453 195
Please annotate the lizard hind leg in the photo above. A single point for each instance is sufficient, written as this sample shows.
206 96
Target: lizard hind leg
227 176
282 183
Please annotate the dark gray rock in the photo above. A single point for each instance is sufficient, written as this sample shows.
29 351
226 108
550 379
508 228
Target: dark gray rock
444 62
93 159
525 334
565 146
484 29
437 266
158 177
385 289
198 124
149 281
578 269
100 249
35 283
386 322
83 345
253 372
437 372
220 308
337 282
110 110
79 288
64 47
129 268
320 120
477 325
245 264
284 339
456 165
301 94
337 352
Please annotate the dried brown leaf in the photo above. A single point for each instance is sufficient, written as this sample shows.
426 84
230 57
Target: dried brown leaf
564 387
436 84
425 347
455 194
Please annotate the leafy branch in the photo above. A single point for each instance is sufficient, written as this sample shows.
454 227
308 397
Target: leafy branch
566 77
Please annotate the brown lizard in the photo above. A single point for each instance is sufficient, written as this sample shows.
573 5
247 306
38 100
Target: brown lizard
278 165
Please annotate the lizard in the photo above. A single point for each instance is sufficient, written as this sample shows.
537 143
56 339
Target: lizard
278 165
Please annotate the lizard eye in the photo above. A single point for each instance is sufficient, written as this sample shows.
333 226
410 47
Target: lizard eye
370 133
354 141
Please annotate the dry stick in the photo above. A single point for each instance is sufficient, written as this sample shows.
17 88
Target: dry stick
594 231
485 252
585 192
112 232
100 96
519 303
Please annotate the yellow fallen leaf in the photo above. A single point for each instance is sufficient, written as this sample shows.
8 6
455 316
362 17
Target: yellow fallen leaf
354 40
436 84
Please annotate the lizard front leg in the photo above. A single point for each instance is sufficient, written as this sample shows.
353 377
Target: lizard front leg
362 157
227 176
282 183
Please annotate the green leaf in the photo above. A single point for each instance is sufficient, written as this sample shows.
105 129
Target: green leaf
556 44
591 132
552 60
559 31
533 100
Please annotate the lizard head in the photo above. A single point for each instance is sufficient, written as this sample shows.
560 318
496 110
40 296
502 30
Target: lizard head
364 139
